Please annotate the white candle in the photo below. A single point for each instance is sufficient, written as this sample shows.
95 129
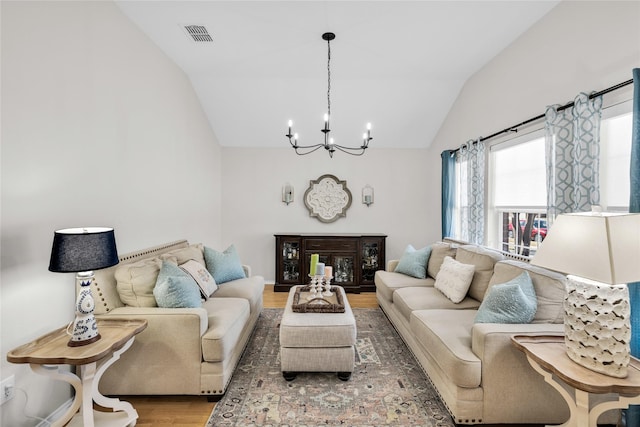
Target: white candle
320 269
328 271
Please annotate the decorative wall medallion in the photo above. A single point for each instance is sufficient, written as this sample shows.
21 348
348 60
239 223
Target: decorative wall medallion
327 198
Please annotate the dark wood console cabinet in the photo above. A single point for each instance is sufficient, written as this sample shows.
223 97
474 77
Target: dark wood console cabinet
355 259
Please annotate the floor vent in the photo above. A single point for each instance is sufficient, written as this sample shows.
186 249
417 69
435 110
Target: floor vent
198 33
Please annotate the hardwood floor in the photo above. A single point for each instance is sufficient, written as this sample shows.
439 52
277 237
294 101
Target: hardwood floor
194 411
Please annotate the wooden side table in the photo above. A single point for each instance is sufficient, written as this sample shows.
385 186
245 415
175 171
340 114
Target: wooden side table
547 354
47 353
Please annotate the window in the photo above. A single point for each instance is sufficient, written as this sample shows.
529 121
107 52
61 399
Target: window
517 194
516 182
461 209
615 151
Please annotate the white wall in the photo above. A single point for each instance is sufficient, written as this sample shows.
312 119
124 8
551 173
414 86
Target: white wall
253 211
98 128
578 46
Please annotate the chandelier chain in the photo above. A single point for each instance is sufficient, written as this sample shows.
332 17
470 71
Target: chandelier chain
329 78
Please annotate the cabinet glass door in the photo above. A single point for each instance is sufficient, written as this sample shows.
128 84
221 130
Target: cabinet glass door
343 269
291 262
370 259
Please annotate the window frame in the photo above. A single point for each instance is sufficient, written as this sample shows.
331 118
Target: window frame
611 112
493 214
493 217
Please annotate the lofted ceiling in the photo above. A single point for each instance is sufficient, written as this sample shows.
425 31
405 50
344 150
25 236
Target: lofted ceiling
397 64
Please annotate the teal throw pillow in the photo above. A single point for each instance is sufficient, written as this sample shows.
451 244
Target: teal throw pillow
175 288
414 262
224 266
512 302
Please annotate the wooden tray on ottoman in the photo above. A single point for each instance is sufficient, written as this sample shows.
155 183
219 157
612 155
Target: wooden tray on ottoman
320 304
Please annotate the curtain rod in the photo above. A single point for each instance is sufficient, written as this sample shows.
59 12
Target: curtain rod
514 128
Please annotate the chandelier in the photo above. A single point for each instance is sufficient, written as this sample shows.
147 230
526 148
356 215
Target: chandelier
329 143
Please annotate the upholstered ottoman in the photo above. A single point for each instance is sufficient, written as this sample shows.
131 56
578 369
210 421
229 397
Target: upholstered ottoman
317 342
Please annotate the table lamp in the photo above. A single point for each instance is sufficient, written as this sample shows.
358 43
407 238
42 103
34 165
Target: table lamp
80 251
601 254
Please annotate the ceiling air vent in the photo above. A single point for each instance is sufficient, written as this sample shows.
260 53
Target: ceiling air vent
198 33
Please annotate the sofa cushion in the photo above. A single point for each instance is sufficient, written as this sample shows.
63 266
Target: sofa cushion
224 266
483 259
454 279
439 250
249 288
175 288
414 262
410 299
182 255
549 287
388 281
227 318
135 282
510 302
446 336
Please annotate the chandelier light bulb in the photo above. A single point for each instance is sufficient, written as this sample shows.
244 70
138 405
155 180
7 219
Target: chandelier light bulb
290 123
368 125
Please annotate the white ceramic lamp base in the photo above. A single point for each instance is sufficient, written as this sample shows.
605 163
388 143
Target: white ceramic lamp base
85 327
597 326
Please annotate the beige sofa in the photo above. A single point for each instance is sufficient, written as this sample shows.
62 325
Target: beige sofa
481 377
183 351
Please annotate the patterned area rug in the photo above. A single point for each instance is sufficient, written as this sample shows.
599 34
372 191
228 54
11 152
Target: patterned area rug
387 387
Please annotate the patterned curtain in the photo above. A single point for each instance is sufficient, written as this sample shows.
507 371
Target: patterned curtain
471 157
572 155
448 192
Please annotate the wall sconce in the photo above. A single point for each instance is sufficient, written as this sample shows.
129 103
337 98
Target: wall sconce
367 195
287 193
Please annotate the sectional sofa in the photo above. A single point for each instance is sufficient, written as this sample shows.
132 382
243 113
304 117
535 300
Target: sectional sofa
183 351
480 376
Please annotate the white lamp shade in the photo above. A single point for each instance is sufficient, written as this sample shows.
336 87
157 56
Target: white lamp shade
604 247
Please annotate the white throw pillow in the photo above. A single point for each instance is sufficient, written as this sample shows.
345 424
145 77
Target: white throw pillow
203 278
454 279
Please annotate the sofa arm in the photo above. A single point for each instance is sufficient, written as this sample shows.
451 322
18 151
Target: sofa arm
165 358
512 389
392 264
489 337
159 315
